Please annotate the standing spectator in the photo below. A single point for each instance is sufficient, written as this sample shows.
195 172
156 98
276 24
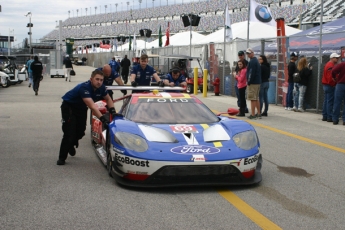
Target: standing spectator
241 79
69 67
265 75
28 64
241 57
291 70
114 66
141 74
36 67
74 112
109 77
125 64
253 82
328 84
338 74
301 87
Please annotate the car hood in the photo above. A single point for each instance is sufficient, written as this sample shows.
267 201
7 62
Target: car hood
181 141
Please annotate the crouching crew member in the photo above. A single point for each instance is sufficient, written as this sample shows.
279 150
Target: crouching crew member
74 112
110 75
175 78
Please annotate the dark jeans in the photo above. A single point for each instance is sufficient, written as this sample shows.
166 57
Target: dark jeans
289 96
36 80
263 95
327 108
237 95
73 127
243 103
339 96
125 76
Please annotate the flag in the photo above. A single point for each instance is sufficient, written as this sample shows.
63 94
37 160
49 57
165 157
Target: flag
261 13
160 37
167 33
130 43
134 43
228 31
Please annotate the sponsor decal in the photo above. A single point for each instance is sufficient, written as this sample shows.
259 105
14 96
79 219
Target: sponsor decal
130 161
198 158
263 14
86 92
183 129
251 160
195 149
137 172
238 163
168 100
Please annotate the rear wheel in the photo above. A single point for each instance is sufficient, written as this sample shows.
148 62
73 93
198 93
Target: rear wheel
6 83
189 88
107 148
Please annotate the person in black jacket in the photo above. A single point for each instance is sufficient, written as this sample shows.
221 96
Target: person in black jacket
69 67
291 70
37 68
265 75
301 87
125 64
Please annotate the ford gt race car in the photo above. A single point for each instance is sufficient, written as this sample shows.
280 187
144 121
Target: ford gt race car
173 139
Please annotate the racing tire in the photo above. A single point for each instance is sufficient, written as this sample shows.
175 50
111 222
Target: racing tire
109 160
189 88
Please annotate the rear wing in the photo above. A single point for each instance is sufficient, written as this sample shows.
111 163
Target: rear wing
147 88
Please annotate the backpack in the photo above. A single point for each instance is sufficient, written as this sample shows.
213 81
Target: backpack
296 77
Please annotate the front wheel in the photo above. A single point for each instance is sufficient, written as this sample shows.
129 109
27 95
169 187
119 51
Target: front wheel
6 83
189 88
107 148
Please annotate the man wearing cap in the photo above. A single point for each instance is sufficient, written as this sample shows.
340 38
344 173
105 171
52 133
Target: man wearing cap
175 78
69 67
338 75
291 70
253 82
241 57
328 84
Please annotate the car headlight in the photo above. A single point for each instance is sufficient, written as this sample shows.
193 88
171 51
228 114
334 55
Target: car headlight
131 141
246 140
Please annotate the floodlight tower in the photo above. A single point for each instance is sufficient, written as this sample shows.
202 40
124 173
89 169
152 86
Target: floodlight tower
29 14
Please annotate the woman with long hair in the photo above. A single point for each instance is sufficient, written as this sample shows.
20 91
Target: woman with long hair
241 78
301 87
265 75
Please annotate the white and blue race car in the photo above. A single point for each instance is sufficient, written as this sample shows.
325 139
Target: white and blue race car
173 139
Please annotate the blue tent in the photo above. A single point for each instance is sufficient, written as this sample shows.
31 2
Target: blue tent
307 42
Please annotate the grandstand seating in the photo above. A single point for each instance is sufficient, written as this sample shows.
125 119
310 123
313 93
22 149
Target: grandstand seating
130 22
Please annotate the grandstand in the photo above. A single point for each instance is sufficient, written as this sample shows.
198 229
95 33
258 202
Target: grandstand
89 28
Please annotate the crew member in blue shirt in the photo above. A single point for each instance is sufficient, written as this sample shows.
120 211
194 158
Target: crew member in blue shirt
109 77
115 65
175 78
74 112
141 74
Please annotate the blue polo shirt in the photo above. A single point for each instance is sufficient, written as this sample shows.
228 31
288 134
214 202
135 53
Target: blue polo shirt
84 90
108 80
178 81
115 66
143 76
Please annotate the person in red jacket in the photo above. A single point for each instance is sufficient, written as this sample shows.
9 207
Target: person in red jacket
328 84
338 74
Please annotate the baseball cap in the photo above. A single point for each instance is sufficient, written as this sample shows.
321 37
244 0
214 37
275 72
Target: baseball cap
67 55
240 53
334 55
249 51
294 54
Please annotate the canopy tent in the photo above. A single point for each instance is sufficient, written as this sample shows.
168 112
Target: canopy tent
307 42
140 45
239 31
179 39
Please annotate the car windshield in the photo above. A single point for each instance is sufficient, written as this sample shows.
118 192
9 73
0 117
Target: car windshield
169 111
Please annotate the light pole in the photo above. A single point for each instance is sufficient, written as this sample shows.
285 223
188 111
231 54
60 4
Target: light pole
153 3
116 6
105 8
140 1
77 12
167 3
86 11
9 40
73 13
69 12
110 8
127 5
95 10
100 9
81 12
29 14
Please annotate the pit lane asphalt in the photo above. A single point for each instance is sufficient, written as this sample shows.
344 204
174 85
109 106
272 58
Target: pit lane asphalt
302 188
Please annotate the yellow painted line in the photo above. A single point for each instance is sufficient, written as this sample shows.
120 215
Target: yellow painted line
292 135
216 143
248 211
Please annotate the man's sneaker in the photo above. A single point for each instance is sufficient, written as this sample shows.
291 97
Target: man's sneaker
252 117
264 114
29 85
65 78
289 109
60 162
72 151
324 119
335 122
344 123
300 110
294 109
240 115
69 80
258 116
329 120
286 108
246 111
36 93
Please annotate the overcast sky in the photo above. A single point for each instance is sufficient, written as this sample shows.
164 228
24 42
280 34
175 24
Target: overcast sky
45 13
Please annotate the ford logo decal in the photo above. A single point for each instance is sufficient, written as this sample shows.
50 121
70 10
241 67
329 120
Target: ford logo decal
195 149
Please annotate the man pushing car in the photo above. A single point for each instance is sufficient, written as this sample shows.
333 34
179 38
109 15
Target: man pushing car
74 112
